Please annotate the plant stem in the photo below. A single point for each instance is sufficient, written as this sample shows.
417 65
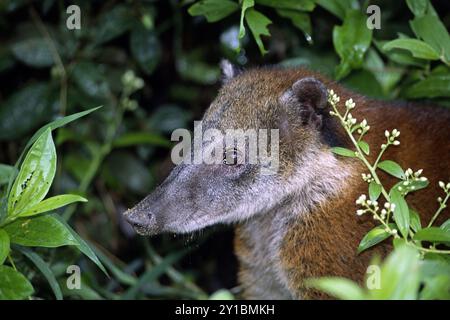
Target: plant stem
442 206
361 156
381 154
428 250
12 262
383 222
372 169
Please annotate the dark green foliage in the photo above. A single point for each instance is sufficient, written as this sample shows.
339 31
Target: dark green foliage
153 65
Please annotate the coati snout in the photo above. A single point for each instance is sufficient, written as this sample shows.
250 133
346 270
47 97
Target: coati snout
301 221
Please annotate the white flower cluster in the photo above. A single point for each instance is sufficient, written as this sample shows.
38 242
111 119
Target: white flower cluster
391 138
349 104
411 180
350 121
131 83
372 207
347 119
364 127
445 187
369 205
367 177
333 98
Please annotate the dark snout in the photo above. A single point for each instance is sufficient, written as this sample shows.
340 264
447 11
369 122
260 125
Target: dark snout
144 223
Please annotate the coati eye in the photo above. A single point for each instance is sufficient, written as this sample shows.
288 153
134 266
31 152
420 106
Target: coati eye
230 157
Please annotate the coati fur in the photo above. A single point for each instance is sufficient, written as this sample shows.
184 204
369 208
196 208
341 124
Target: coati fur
301 223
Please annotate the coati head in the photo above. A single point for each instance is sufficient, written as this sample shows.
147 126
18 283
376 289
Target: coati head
198 195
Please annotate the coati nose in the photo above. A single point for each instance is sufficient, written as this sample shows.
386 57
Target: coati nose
143 223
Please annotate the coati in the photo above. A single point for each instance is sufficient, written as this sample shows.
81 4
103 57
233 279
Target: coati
300 222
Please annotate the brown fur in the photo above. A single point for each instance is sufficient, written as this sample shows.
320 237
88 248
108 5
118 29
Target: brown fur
324 242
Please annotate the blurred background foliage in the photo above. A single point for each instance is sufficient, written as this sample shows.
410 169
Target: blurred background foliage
153 65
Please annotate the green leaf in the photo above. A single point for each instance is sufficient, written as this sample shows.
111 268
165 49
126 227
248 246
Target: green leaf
213 10
34 52
433 234
401 57
24 111
401 212
446 225
55 125
4 246
113 23
434 264
86 292
13 285
430 29
392 168
386 76
300 20
82 245
398 242
246 4
51 204
340 288
364 82
373 237
299 5
343 152
168 118
374 190
91 79
434 86
120 275
417 185
436 288
416 225
5 173
338 7
222 294
257 22
44 269
418 7
35 176
399 275
52 126
418 48
351 41
435 273
145 48
128 172
411 186
364 147
42 231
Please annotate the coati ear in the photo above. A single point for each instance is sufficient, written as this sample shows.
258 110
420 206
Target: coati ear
229 70
308 96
